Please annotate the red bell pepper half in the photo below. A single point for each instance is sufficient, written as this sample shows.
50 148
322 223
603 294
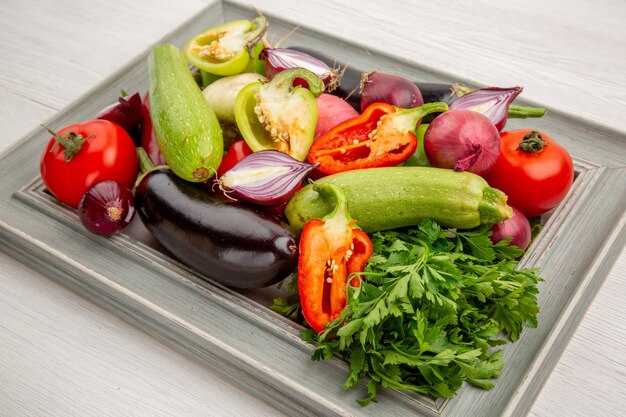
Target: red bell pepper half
383 135
331 249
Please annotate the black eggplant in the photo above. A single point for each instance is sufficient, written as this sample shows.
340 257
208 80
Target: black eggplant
232 243
350 83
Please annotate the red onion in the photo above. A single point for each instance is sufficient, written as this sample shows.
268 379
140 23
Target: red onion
147 138
493 102
517 228
106 208
280 59
126 112
462 140
331 110
387 88
266 177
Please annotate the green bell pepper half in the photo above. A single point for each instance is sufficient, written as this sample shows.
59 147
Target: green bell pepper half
276 115
226 49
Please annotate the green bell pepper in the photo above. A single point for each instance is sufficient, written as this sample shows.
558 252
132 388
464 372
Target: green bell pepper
226 49
276 115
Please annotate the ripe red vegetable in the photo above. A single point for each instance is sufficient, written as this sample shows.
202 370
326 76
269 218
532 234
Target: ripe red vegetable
515 227
331 249
83 154
533 170
381 136
237 151
463 140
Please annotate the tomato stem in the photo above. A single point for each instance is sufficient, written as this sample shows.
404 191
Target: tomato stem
70 141
532 142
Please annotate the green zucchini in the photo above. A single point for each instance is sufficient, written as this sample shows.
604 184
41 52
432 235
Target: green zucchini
186 128
387 198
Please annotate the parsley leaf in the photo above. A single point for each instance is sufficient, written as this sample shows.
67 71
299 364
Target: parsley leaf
431 306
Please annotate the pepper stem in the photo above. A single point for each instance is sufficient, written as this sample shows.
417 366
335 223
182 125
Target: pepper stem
523 112
532 142
70 141
406 120
340 210
255 35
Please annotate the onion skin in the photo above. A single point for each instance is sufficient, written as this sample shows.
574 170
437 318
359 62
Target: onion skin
388 88
463 140
106 208
331 110
516 227
126 113
280 59
493 102
266 177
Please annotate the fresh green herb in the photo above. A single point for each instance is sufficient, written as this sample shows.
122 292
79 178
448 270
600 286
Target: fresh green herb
286 306
431 305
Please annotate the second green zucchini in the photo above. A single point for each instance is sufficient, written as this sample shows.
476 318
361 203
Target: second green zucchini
387 198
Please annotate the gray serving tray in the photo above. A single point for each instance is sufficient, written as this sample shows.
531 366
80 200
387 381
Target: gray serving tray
234 332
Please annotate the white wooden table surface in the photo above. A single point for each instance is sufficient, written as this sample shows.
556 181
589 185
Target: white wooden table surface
60 355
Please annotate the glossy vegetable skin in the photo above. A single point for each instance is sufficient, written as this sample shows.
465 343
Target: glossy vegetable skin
331 249
126 113
237 151
349 84
382 136
83 154
226 49
533 170
234 244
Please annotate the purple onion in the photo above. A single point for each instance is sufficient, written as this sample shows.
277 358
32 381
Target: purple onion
462 140
126 112
516 227
493 102
381 87
266 177
280 59
106 208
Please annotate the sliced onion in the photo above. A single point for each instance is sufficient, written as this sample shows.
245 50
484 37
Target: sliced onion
280 59
516 227
463 140
106 208
266 177
493 102
377 87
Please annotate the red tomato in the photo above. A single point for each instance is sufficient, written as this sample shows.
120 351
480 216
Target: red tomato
535 181
237 151
108 153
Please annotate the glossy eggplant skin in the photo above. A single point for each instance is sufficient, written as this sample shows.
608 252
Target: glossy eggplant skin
231 243
349 83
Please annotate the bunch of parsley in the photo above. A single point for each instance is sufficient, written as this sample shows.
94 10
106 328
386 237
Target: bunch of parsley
431 304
